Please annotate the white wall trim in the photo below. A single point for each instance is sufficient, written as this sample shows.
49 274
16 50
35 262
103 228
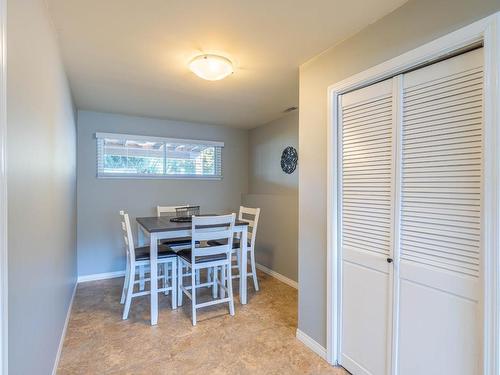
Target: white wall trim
101 276
63 334
3 193
138 137
278 276
311 344
486 31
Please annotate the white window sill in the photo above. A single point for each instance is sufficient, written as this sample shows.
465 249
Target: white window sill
128 177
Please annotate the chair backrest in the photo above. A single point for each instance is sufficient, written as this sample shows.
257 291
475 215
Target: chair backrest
251 216
127 236
188 211
212 228
168 209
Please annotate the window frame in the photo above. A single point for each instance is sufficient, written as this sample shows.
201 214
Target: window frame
100 136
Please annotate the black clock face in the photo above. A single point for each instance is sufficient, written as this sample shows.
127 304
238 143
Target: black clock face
289 159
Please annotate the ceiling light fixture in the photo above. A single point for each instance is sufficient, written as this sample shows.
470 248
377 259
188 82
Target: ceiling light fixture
211 67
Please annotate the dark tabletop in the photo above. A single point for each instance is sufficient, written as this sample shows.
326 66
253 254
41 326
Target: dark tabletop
163 224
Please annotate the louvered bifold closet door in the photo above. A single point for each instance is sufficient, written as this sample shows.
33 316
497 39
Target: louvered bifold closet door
440 245
367 161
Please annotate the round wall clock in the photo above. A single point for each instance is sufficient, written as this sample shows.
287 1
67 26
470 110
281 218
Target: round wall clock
289 159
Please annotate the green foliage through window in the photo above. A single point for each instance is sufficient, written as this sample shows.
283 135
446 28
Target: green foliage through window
118 157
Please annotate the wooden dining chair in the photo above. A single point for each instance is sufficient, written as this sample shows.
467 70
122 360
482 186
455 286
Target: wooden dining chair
203 256
139 257
251 216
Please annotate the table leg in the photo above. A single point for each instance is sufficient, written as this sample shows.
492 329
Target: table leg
153 255
243 267
140 236
142 271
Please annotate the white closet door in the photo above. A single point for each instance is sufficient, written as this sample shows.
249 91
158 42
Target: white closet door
439 316
366 228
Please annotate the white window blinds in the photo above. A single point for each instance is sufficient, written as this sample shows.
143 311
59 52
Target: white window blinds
123 155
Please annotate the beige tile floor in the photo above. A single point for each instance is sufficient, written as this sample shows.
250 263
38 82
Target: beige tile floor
259 339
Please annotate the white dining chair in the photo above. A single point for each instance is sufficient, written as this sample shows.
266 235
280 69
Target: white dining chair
175 244
203 256
251 216
139 257
168 209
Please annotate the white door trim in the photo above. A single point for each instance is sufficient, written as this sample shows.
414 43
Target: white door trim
3 191
486 31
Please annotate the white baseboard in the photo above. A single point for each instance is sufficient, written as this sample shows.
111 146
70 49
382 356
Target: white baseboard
100 276
63 334
112 275
311 344
277 275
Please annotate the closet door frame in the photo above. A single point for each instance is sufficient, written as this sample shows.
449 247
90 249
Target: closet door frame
487 33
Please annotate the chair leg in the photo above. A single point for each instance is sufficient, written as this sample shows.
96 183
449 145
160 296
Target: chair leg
173 283
142 283
193 295
214 280
130 290
209 276
166 267
223 277
239 267
254 271
180 278
238 259
125 283
229 284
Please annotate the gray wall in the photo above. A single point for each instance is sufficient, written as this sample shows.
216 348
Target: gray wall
415 23
100 243
41 148
276 193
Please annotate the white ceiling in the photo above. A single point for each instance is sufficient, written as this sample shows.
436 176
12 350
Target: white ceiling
130 56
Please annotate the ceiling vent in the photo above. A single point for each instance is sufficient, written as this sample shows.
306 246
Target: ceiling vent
291 109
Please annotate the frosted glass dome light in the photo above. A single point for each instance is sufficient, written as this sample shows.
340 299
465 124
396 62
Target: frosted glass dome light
211 67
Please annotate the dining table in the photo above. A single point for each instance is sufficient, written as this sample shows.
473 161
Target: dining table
162 227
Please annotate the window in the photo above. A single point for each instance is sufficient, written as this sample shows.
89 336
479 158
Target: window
122 155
